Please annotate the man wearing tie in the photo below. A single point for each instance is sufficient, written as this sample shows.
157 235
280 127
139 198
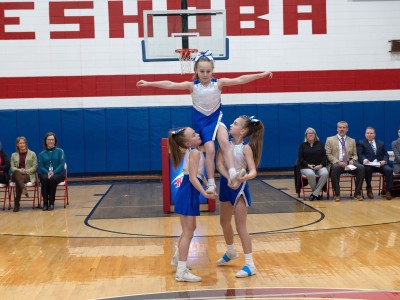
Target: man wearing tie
372 152
341 152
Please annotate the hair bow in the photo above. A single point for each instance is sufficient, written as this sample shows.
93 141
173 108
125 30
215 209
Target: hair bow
206 54
253 120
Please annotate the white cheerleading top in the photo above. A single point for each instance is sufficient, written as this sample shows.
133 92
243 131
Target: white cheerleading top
206 99
200 170
238 158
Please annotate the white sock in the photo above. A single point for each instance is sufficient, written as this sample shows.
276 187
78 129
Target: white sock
230 249
211 181
176 254
248 258
232 172
181 266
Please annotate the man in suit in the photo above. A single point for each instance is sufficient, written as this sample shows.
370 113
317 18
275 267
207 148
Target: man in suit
370 150
341 152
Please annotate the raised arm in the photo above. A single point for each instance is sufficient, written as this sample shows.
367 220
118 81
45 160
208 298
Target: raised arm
166 84
242 79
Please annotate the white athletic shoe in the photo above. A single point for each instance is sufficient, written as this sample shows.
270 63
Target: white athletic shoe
187 276
210 189
227 257
174 262
246 271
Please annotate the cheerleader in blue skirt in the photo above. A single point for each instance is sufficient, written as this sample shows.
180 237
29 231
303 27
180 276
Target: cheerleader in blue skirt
187 202
235 198
207 114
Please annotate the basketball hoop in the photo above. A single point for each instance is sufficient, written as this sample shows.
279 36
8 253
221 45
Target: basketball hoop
186 57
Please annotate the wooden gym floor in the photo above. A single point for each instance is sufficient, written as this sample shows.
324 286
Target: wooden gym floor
113 241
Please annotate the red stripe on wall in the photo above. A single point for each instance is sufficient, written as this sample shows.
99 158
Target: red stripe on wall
125 85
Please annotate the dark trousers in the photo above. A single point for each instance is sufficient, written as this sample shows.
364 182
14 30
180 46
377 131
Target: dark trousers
386 170
336 170
49 187
20 180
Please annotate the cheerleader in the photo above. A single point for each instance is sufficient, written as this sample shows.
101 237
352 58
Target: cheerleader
187 202
235 197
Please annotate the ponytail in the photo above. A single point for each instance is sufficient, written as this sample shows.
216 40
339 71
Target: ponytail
256 132
176 140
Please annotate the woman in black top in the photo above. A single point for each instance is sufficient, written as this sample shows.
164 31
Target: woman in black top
312 162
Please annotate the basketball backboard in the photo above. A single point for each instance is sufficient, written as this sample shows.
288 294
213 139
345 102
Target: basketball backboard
167 31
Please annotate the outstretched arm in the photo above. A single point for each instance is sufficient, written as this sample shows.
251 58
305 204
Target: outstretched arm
166 84
242 79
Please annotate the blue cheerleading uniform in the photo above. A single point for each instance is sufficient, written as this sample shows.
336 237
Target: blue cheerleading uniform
226 194
207 114
187 201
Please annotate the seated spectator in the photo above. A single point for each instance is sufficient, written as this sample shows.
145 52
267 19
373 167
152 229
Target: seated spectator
4 166
370 151
23 168
51 170
396 151
312 162
341 152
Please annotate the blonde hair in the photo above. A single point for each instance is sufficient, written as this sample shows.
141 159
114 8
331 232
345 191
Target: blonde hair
203 58
17 141
256 133
176 141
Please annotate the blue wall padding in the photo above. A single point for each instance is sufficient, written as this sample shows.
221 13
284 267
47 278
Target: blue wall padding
117 150
138 139
289 120
50 120
94 130
27 122
8 130
72 139
112 140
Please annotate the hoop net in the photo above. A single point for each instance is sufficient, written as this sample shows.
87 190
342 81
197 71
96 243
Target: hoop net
186 57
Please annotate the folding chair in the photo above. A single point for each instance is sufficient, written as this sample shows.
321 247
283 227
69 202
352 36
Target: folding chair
377 178
4 194
31 187
62 186
306 188
396 183
346 184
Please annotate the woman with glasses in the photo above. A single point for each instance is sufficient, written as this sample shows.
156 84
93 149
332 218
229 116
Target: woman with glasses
312 162
51 169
